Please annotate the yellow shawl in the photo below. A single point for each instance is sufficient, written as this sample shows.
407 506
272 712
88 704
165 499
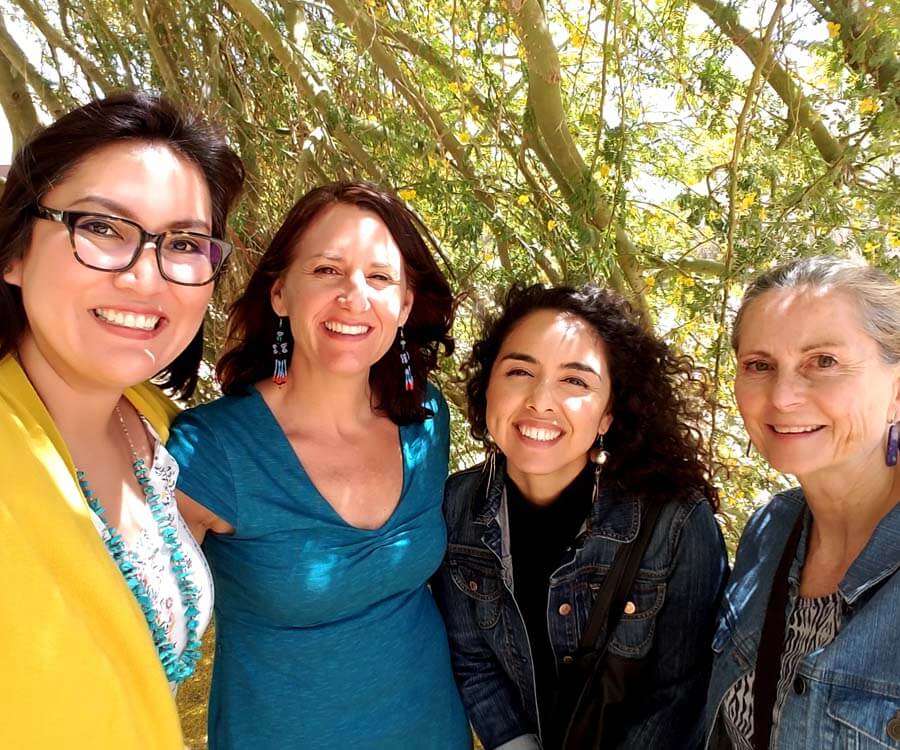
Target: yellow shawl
77 664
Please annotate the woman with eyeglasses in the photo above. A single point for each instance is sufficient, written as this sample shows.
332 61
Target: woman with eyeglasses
110 222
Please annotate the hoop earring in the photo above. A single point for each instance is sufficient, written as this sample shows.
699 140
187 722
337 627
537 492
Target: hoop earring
598 457
893 445
404 360
281 352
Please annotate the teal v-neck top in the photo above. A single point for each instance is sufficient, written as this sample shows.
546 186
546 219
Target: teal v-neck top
326 634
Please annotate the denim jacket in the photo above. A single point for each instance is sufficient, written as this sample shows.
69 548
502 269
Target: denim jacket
847 694
676 595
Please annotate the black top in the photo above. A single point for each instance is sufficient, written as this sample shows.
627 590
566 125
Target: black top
540 537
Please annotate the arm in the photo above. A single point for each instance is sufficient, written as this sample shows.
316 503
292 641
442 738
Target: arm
670 714
200 519
490 698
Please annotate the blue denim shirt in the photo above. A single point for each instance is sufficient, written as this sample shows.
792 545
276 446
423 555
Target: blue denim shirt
847 694
676 596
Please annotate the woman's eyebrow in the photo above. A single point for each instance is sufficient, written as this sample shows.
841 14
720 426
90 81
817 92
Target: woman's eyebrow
519 356
581 366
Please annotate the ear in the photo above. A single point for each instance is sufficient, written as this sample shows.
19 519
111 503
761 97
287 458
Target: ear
12 274
605 422
894 408
407 306
276 296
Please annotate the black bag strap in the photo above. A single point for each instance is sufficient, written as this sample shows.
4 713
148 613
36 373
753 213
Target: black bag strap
610 602
771 644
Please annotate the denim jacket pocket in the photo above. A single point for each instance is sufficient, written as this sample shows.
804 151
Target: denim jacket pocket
633 635
474 574
868 721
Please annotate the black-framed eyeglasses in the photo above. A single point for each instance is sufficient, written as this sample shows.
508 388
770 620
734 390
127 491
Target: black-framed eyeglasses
110 243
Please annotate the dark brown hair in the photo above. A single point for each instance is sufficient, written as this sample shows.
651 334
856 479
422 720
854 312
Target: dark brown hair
50 155
654 444
252 323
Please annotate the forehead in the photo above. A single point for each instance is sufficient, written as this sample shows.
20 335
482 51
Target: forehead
554 335
131 172
793 318
349 232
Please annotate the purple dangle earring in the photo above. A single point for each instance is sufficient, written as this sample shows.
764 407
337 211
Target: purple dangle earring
893 445
404 360
280 350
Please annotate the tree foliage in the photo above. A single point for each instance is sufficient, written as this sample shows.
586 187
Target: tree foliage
669 148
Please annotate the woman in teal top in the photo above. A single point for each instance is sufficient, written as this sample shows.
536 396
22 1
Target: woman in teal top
321 482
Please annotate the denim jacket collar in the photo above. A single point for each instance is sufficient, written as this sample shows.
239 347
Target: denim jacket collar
614 515
878 560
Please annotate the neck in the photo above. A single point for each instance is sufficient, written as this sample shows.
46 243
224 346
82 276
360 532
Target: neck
848 504
545 489
83 414
314 400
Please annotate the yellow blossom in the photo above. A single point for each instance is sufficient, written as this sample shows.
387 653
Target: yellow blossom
453 87
502 30
466 87
894 240
604 170
868 105
649 281
522 200
578 39
407 194
762 213
466 53
833 29
687 281
464 137
747 201
551 224
859 205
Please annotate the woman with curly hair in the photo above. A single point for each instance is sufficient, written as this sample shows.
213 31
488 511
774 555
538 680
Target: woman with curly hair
589 424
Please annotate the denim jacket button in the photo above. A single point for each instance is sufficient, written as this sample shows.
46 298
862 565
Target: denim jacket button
565 609
893 727
630 608
799 685
568 659
473 586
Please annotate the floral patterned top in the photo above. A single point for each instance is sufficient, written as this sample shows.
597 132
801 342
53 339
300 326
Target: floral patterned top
154 565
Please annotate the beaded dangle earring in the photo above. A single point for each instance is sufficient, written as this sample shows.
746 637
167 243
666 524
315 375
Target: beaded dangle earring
893 444
598 457
280 351
404 360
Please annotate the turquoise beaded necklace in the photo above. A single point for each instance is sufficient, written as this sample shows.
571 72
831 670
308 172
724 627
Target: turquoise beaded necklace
177 667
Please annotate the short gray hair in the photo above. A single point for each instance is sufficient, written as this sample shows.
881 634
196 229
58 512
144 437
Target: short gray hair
876 294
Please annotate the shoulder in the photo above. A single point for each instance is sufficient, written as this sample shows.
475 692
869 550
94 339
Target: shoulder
435 402
767 531
460 488
686 526
220 412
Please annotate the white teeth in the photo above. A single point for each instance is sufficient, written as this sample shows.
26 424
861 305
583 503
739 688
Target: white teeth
127 319
536 433
793 430
332 325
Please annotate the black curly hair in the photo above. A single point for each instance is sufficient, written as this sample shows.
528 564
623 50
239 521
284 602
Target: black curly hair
654 444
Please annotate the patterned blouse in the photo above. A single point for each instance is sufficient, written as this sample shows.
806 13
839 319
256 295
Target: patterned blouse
813 624
154 566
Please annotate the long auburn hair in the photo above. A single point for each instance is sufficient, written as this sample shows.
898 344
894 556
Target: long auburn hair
654 444
252 323
51 154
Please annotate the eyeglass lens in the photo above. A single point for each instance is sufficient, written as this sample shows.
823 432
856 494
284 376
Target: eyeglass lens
110 244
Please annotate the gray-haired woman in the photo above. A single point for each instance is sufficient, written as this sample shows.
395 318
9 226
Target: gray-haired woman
806 651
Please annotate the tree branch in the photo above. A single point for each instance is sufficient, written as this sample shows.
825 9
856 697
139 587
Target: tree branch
55 38
45 90
545 97
799 108
17 105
